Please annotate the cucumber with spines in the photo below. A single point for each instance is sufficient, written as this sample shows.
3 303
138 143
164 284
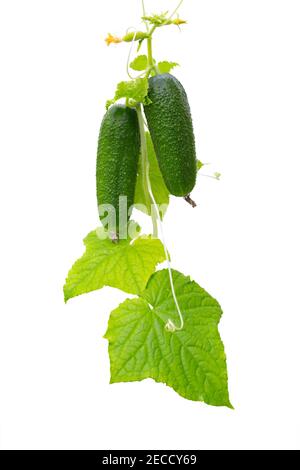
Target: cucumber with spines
170 125
117 162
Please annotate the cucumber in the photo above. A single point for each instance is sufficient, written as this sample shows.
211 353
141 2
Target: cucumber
117 162
171 129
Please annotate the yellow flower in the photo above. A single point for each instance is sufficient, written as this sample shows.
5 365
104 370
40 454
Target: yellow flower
112 39
178 21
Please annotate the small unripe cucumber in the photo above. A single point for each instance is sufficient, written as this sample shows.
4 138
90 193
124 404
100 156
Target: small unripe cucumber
117 160
170 125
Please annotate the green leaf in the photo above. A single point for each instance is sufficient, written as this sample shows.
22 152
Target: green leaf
136 90
140 63
159 189
199 165
126 265
191 361
166 67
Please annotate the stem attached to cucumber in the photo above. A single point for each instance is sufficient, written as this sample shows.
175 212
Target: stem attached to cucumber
145 167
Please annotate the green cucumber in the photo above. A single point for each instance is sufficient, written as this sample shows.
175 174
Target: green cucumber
117 162
170 125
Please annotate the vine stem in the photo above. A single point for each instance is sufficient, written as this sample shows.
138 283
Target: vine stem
170 326
144 14
155 215
145 167
150 54
129 56
176 9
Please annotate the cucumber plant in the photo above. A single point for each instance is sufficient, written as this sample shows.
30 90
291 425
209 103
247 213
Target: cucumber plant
146 152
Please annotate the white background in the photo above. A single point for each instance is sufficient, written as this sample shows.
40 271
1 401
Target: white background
240 66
